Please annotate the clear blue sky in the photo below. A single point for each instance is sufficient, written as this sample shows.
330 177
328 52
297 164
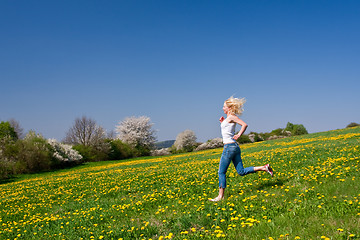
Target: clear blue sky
177 61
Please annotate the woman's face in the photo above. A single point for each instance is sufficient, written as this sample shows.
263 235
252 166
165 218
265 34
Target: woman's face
226 109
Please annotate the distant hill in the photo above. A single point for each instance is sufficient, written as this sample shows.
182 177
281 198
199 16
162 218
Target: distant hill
164 144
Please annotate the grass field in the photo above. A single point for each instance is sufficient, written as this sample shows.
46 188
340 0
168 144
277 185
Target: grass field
314 194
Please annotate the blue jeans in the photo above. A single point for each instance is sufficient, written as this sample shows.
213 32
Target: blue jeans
231 153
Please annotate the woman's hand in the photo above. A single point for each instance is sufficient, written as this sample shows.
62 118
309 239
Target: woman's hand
221 119
243 125
236 136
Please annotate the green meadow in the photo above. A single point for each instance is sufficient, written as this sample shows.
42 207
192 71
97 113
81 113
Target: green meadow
314 194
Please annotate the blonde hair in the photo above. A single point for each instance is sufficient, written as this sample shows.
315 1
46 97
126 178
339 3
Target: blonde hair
235 105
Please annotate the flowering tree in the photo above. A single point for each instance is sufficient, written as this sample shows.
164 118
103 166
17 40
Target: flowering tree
137 131
86 132
63 152
213 143
185 140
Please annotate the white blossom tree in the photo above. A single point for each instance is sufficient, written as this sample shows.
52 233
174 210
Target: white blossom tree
213 143
63 152
137 131
185 140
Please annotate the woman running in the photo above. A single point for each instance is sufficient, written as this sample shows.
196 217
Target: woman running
231 153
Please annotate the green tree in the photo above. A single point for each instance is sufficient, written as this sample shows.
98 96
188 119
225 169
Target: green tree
7 131
296 129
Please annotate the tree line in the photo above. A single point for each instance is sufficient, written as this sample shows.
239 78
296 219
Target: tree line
87 141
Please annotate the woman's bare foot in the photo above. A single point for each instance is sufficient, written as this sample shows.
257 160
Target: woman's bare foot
217 199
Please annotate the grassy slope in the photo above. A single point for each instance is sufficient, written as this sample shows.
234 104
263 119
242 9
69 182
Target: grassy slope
314 194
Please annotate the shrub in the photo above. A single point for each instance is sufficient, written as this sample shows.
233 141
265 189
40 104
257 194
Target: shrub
33 154
63 154
102 150
5 168
353 124
299 130
296 129
6 163
94 153
255 137
211 144
87 152
277 132
120 150
264 136
140 150
243 139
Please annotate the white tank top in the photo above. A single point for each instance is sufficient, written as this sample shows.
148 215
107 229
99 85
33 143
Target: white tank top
227 131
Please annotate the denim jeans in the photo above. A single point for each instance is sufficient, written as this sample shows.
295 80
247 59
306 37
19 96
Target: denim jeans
231 153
